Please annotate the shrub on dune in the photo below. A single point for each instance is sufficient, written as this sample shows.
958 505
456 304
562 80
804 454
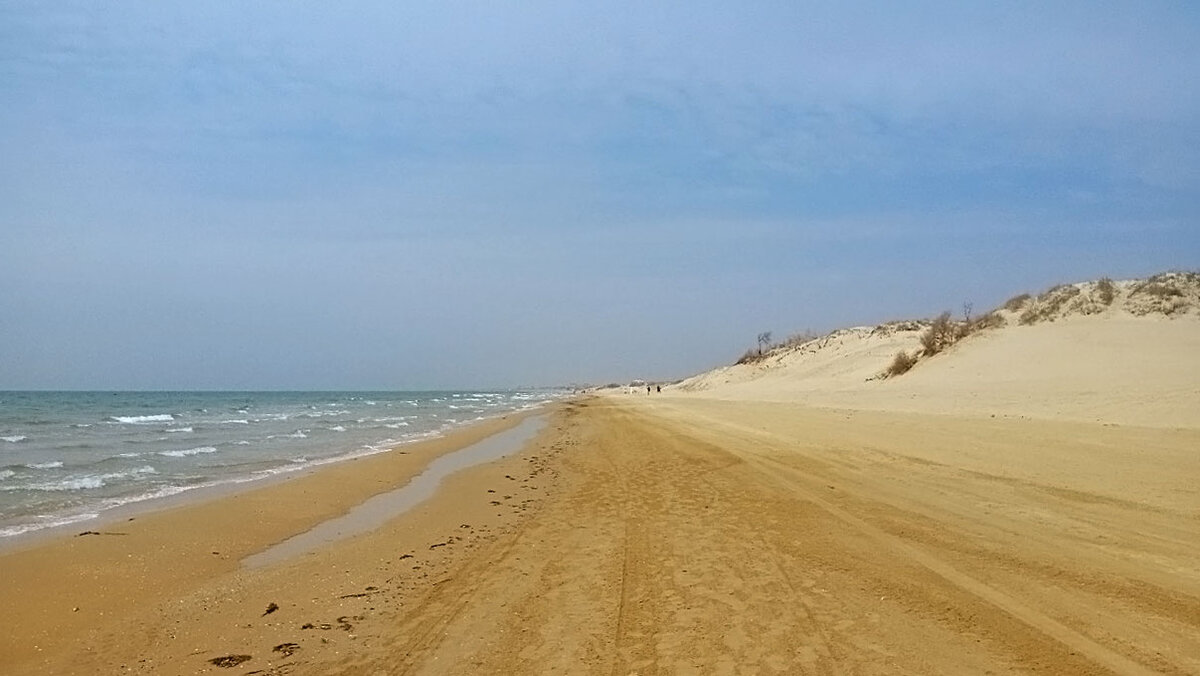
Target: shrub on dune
902 363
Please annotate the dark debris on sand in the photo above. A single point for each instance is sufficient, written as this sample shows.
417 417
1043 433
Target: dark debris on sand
229 661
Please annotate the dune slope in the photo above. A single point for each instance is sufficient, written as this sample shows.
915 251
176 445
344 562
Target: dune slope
1064 355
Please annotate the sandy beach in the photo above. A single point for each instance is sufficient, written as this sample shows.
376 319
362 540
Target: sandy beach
668 535
168 591
613 339
1025 501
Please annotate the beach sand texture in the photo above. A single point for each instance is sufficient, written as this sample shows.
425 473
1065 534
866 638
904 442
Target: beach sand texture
990 524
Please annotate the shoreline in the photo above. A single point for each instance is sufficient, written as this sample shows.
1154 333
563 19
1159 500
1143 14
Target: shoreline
666 535
67 587
218 489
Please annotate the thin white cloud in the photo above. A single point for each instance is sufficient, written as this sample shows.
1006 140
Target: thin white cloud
604 160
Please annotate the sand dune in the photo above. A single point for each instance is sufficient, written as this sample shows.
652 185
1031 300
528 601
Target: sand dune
1127 362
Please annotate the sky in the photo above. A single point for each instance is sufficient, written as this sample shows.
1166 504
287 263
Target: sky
391 195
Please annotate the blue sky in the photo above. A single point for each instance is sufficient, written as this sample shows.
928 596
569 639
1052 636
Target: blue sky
480 194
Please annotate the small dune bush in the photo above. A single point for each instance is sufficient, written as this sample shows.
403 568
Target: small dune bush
1159 290
1049 304
902 363
752 355
1016 302
941 334
990 320
1107 290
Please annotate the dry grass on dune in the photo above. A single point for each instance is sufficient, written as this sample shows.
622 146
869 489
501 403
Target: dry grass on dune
1110 350
1168 294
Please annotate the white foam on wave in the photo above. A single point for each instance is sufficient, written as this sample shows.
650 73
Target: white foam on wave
50 522
337 428
143 419
302 462
78 484
5 473
285 469
83 483
16 438
235 422
162 492
188 451
178 429
298 434
45 465
324 414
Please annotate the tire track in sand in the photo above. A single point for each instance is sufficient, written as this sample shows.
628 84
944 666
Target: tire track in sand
795 480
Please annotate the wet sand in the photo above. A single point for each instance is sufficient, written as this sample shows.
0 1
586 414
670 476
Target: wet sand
125 595
673 535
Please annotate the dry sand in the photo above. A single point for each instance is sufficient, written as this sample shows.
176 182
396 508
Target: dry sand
1112 368
675 535
1010 519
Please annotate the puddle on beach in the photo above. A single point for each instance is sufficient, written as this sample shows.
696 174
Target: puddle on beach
381 508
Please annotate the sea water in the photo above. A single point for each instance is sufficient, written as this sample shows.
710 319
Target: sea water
67 457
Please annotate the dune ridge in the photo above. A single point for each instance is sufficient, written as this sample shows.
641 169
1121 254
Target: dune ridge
1124 352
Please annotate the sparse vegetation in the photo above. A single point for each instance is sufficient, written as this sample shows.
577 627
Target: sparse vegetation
1107 290
944 332
902 363
991 320
1049 303
765 346
941 334
751 355
1170 293
1158 290
764 341
888 328
1016 302
799 338
755 354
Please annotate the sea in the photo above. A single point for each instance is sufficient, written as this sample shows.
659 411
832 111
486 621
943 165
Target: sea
70 457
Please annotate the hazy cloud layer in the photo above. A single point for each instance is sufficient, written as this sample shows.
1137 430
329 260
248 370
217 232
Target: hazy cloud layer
266 195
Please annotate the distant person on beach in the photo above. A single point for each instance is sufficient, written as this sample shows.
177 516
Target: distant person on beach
658 389
647 389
